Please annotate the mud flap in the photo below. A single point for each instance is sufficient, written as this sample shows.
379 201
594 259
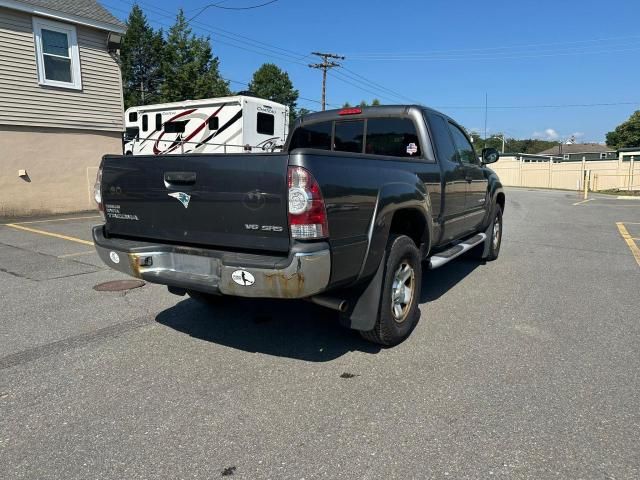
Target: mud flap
365 303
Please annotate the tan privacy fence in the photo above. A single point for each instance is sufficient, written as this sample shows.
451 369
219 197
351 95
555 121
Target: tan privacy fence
600 175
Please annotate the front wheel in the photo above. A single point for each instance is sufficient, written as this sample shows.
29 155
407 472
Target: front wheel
495 236
398 312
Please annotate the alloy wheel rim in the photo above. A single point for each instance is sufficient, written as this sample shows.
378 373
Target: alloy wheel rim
402 291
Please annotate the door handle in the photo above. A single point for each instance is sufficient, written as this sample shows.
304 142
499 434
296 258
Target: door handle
179 178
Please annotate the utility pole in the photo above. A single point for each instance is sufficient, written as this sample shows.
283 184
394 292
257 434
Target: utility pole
324 66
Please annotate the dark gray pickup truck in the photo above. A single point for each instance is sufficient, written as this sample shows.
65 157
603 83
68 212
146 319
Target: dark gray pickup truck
358 202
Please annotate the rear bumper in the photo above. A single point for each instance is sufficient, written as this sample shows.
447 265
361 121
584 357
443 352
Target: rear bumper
305 272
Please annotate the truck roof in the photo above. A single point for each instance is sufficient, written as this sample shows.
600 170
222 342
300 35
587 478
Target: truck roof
366 112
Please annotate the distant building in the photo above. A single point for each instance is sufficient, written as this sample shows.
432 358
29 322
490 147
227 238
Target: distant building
576 152
61 102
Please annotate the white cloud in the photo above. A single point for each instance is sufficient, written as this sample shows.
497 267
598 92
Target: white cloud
548 134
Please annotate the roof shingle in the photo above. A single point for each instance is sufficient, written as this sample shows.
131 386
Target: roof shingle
89 9
577 148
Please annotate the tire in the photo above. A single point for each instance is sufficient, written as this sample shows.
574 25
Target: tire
495 241
397 314
492 249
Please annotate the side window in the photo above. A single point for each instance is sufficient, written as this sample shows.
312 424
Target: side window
265 123
145 122
349 136
396 137
442 138
158 121
57 57
133 116
213 123
177 126
466 152
316 135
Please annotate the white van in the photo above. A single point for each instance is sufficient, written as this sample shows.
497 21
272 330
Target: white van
213 125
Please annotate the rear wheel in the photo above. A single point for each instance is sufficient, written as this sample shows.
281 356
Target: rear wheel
398 313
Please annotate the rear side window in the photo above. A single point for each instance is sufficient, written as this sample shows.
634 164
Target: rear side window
349 136
442 138
266 123
396 137
317 135
145 122
158 121
214 123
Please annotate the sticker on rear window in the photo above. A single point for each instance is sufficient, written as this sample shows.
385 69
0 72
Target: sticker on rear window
412 148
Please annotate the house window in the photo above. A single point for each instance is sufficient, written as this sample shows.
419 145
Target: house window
566 156
603 156
57 54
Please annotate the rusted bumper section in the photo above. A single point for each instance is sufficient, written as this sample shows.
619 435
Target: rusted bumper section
303 273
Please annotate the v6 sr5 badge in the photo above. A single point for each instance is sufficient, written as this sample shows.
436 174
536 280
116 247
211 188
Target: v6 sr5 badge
263 228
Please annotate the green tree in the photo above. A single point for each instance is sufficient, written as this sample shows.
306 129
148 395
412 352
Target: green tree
346 105
274 84
189 68
363 104
627 134
140 55
375 102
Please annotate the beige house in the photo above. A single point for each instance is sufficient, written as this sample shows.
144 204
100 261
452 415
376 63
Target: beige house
61 104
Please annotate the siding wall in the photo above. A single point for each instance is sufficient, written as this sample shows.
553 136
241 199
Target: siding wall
61 165
98 106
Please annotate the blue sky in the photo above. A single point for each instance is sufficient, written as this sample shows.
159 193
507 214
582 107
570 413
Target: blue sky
444 54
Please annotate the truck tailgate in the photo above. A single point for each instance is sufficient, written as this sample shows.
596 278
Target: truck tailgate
236 201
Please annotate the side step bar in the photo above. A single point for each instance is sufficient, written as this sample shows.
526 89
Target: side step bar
441 258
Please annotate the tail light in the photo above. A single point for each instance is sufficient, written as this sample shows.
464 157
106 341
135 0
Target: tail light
307 213
97 190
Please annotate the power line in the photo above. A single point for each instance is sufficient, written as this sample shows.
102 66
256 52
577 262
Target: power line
218 5
502 47
283 54
566 105
374 84
485 56
324 66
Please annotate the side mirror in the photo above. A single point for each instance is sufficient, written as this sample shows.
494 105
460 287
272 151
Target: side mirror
490 155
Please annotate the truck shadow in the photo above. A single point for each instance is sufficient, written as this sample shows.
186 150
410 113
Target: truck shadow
292 329
436 283
283 328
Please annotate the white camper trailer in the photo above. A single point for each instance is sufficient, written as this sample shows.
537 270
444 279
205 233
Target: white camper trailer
214 125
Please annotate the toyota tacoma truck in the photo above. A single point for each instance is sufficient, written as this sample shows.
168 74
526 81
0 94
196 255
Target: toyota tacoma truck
359 201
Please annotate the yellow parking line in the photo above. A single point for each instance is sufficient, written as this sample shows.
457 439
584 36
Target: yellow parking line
584 201
55 220
627 238
76 254
56 235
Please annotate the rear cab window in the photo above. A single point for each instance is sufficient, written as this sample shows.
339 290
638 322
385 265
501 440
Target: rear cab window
316 135
349 136
395 137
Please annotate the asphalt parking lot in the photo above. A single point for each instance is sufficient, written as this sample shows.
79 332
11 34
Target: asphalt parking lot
527 367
